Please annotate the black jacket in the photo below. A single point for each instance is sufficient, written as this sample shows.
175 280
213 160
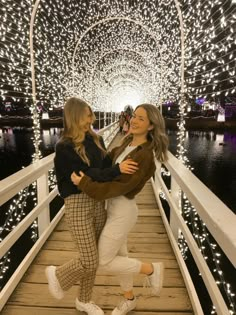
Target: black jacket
67 161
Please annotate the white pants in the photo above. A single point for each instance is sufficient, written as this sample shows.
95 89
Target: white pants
122 215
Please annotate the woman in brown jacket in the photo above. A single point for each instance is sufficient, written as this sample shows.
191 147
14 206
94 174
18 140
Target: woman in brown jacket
147 138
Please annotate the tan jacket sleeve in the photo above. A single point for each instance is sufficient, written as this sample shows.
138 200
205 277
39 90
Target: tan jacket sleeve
122 184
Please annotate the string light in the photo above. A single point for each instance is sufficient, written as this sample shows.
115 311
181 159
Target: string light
135 52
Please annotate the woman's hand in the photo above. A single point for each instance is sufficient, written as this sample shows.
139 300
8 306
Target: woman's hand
76 178
128 166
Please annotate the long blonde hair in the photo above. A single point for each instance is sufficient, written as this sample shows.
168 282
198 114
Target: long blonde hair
157 136
73 117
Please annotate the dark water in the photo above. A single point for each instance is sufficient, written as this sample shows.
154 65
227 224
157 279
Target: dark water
211 154
213 158
16 147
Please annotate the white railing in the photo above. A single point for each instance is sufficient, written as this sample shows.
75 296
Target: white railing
12 185
217 217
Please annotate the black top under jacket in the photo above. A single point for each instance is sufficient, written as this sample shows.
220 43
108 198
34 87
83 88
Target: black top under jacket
67 161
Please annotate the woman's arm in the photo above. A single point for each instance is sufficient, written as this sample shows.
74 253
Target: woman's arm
108 174
68 161
120 185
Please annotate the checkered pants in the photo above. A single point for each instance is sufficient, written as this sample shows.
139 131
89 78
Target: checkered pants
86 218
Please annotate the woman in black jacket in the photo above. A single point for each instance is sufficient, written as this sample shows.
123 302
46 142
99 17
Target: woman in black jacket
80 149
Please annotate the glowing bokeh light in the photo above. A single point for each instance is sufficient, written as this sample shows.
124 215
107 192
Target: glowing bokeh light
116 53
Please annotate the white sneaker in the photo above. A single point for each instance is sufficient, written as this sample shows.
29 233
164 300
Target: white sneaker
89 308
125 306
155 280
53 284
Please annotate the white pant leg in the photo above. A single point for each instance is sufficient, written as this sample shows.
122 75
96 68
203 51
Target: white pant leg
126 280
121 217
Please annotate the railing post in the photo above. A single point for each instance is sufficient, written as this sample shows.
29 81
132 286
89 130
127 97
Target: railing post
105 118
42 192
175 193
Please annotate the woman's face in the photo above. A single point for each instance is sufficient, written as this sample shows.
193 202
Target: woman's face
87 119
139 123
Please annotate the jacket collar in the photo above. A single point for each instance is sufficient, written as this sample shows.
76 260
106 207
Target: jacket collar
145 145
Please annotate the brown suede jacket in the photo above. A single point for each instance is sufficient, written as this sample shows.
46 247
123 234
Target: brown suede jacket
125 184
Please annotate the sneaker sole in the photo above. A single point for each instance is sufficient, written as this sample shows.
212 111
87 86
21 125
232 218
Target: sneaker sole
47 273
162 268
81 308
130 309
161 280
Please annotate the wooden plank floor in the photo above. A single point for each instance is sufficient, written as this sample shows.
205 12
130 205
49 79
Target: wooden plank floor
147 241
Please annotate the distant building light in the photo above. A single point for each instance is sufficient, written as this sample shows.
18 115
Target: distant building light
45 116
221 117
200 100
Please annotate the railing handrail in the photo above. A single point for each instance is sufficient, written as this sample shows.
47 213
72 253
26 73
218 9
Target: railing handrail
12 184
219 219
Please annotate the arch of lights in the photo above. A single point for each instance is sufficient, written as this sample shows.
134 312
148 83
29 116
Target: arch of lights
155 37
118 67
111 58
209 43
90 28
209 57
82 79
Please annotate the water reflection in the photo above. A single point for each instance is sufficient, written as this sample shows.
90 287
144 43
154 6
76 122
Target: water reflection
16 147
7 139
212 156
50 137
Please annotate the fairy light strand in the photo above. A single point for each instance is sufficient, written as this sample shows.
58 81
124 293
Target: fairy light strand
118 58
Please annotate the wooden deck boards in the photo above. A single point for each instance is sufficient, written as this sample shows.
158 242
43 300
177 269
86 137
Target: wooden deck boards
147 241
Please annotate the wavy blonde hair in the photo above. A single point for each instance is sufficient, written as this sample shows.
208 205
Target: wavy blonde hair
157 136
73 119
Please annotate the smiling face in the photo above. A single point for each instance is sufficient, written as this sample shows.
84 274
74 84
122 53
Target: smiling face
87 119
140 123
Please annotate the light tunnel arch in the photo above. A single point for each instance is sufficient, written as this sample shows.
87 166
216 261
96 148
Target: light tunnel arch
93 71
34 11
101 22
112 51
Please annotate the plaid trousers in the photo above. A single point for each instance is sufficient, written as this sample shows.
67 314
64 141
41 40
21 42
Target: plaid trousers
86 218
